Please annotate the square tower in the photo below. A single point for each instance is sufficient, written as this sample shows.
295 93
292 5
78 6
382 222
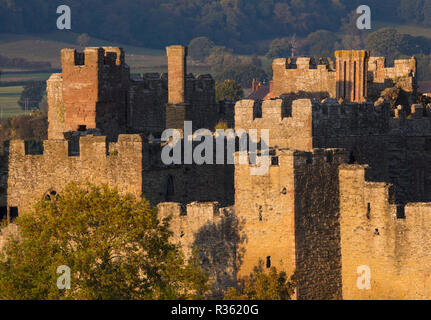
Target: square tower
94 92
351 74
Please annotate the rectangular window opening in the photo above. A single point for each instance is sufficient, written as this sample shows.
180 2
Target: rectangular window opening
401 214
13 214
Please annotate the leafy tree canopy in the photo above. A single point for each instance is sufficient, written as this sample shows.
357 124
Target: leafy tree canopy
200 48
384 42
263 285
228 90
32 95
242 74
114 244
279 48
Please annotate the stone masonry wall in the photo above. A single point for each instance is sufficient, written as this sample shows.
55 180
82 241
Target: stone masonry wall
317 227
148 96
393 241
94 88
381 77
288 127
395 147
280 226
56 109
303 77
213 231
351 78
31 176
355 77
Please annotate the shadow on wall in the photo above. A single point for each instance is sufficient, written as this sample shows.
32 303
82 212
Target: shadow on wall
218 244
288 98
4 165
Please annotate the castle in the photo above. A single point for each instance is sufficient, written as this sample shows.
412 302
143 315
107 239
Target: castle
348 182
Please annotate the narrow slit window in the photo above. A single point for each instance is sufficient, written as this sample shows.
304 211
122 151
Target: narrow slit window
368 211
13 213
268 262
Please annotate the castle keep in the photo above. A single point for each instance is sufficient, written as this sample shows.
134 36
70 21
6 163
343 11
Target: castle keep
348 183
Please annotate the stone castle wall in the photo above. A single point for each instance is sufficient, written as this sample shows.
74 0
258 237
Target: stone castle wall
213 231
289 127
30 177
95 90
289 219
394 145
381 77
355 77
392 240
314 81
304 215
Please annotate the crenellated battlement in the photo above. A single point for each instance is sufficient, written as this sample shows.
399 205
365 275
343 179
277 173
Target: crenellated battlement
202 83
90 146
376 199
196 220
118 164
303 75
288 127
303 63
195 212
289 160
401 67
150 81
391 239
93 57
402 74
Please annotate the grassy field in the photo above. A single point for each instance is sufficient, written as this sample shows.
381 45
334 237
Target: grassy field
405 29
9 97
47 48
24 76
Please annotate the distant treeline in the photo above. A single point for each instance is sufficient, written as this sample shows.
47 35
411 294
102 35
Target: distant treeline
238 24
23 63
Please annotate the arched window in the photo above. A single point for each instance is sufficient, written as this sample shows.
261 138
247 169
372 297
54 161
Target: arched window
50 195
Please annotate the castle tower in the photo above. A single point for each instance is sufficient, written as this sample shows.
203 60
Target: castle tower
177 70
351 74
92 92
289 218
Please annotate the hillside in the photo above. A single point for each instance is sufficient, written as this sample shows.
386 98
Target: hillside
47 47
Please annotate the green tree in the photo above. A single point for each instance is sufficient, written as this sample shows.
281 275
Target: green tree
200 48
424 67
279 48
320 43
221 58
385 42
229 90
114 244
242 74
263 285
32 95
